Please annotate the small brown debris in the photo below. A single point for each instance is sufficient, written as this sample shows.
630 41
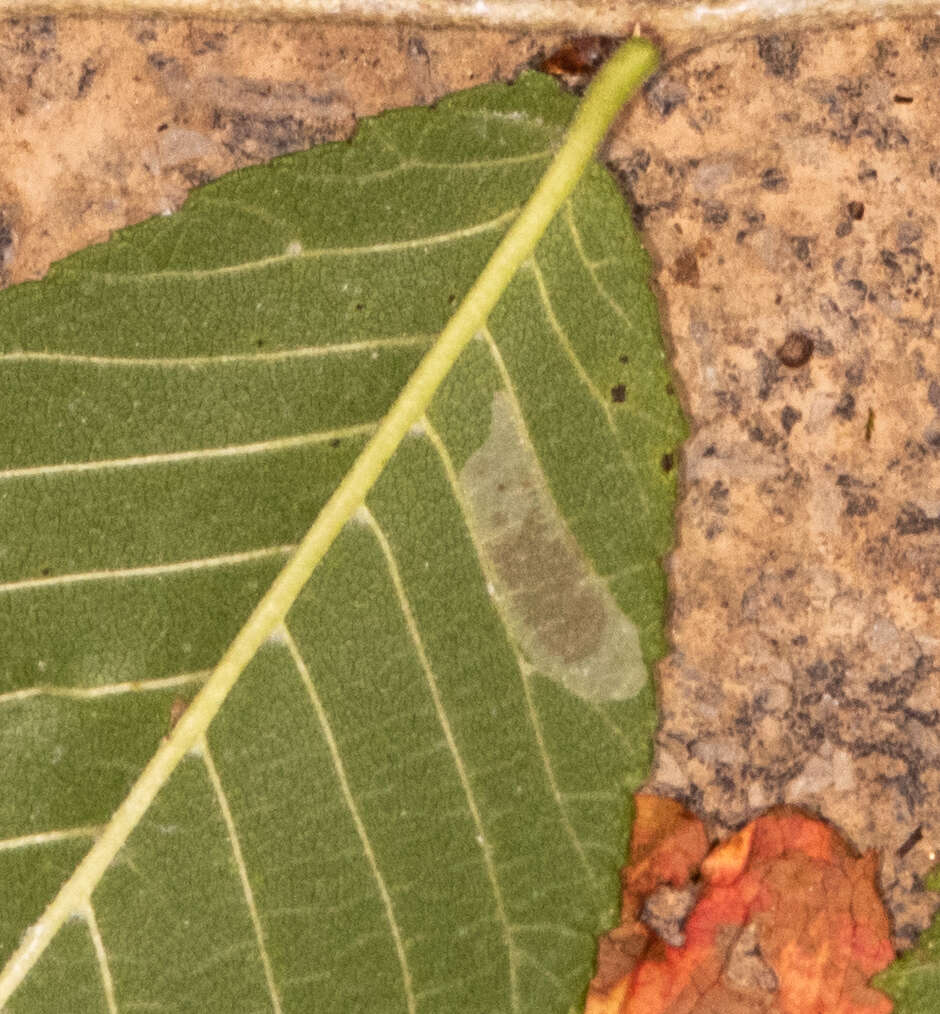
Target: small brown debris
856 210
785 913
179 705
796 349
579 57
618 393
912 839
685 269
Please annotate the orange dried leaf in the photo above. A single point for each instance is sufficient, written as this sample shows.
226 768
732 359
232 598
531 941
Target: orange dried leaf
788 922
667 845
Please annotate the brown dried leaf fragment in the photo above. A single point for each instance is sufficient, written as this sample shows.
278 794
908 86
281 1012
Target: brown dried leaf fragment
788 922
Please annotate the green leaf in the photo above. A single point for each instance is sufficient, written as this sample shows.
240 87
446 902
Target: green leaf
913 981
413 795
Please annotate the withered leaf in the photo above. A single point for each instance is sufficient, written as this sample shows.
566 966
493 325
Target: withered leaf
788 921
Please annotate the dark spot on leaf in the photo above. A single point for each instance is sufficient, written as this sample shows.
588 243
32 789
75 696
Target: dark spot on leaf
624 359
796 349
334 442
904 99
45 571
666 462
618 393
162 127
259 343
360 306
843 228
856 210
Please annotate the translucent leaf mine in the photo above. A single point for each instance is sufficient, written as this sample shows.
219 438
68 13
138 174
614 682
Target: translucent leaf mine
554 605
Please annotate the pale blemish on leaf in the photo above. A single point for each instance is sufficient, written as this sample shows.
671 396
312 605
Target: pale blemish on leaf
554 604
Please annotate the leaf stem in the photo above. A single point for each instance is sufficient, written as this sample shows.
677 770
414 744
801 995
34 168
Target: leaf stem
623 73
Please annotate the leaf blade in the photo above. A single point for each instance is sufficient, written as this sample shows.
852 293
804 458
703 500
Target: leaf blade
192 725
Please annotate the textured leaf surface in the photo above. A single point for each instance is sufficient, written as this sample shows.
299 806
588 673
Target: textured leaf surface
415 797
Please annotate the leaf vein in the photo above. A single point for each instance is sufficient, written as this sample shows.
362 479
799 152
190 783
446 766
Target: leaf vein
522 665
592 268
486 851
153 570
298 254
50 837
198 454
87 912
226 358
340 769
642 501
235 844
105 689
